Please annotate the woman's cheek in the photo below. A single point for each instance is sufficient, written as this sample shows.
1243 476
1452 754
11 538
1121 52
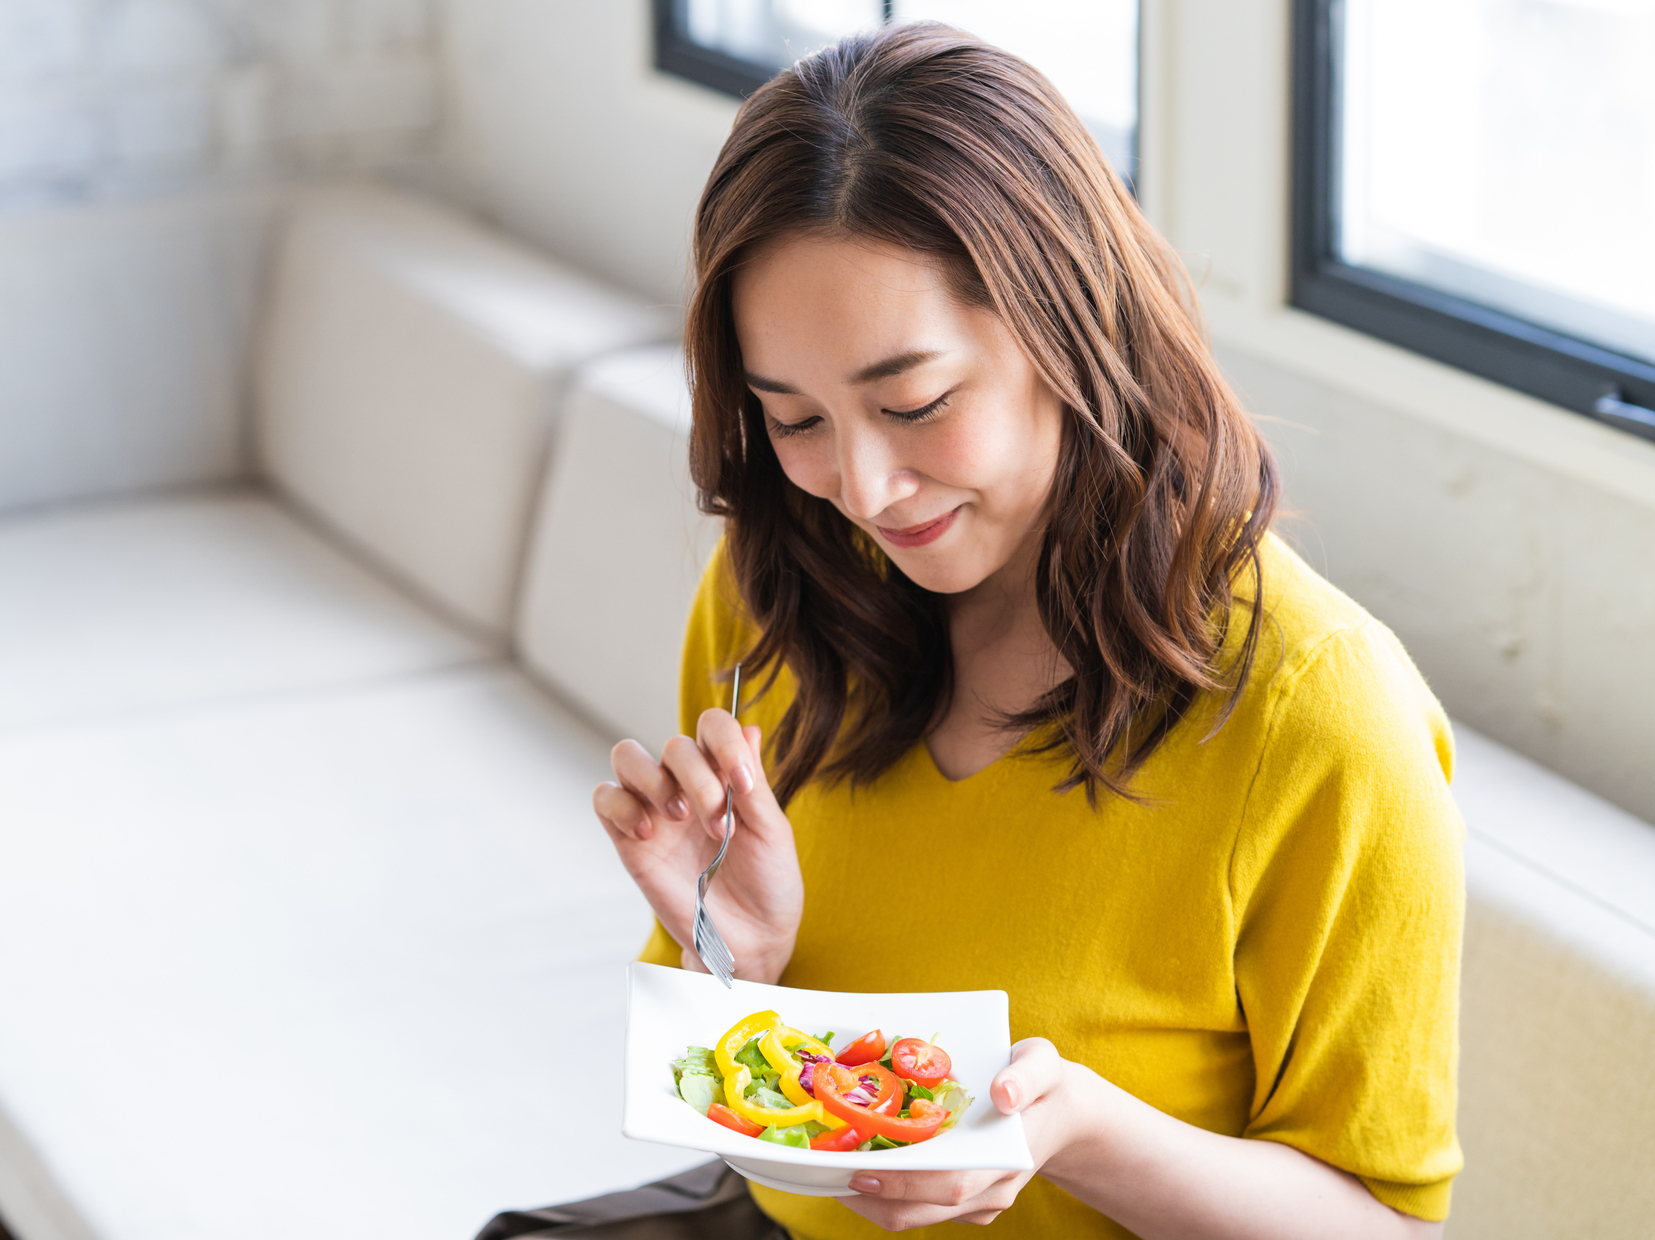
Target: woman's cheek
808 466
970 453
1009 453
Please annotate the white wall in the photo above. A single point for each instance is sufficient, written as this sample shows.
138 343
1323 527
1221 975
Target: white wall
560 129
103 98
1512 545
124 333
144 150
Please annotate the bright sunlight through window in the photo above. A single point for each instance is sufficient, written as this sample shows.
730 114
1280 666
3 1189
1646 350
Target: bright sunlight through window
1504 151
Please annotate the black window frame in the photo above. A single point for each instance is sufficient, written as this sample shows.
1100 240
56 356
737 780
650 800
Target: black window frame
1576 374
678 54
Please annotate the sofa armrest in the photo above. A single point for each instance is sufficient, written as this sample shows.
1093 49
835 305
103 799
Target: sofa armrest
1557 1077
618 548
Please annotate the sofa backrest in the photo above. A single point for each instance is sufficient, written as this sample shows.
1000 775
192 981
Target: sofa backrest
618 547
411 368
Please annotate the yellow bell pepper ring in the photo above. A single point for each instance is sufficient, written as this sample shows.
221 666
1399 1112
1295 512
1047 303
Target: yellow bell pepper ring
775 1047
739 1035
737 1077
735 1087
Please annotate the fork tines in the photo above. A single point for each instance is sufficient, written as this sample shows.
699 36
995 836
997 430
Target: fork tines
710 946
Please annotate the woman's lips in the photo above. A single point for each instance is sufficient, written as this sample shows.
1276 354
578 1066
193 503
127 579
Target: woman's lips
920 535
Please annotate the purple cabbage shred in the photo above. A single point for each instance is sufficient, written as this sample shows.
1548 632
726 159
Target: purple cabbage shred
807 1076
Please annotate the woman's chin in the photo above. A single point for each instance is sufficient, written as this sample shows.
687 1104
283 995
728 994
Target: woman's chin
939 573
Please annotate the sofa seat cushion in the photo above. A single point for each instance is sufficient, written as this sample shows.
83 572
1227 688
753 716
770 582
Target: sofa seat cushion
344 965
158 603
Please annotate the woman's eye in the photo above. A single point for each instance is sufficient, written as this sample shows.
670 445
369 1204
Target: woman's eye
781 430
911 416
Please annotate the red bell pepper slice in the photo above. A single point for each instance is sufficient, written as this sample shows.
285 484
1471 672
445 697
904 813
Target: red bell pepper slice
887 1102
833 1082
891 1089
721 1114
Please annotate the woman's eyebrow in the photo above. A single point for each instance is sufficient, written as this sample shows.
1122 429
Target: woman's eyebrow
762 384
886 369
892 366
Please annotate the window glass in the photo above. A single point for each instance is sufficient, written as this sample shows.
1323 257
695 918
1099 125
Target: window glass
774 33
1089 48
1504 151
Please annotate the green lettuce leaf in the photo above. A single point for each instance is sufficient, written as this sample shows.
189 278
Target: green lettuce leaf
697 1059
763 1095
796 1136
754 1059
700 1090
953 1096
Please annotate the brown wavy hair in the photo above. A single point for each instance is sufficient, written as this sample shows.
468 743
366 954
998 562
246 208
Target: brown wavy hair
927 138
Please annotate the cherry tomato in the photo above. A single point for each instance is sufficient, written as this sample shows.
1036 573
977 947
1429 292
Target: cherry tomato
840 1141
721 1114
921 1062
869 1048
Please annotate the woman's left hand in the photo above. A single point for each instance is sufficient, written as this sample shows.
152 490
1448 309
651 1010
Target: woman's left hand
1033 1083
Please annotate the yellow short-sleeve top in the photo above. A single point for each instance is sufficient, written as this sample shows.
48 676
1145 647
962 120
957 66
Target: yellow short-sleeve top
1267 945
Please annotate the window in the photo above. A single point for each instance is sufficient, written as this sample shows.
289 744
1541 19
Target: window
1475 180
1089 48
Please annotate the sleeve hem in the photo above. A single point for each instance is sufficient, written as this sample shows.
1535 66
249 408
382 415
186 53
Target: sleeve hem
1423 1201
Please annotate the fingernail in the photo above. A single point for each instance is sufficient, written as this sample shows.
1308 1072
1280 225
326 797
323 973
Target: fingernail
864 1184
742 779
1014 1096
678 808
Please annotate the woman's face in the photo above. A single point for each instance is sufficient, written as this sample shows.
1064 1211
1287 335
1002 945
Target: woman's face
918 417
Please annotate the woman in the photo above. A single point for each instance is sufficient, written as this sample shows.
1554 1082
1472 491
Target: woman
1045 707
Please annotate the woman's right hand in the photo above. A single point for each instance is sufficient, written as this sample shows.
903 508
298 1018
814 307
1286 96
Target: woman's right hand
666 820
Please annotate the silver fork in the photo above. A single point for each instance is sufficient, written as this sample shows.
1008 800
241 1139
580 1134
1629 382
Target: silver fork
709 943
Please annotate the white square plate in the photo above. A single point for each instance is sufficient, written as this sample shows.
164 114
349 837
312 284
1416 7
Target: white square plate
670 1009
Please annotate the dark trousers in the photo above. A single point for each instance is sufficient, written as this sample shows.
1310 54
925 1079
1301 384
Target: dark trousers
710 1202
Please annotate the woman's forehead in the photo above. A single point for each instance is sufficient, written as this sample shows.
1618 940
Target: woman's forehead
850 267
852 302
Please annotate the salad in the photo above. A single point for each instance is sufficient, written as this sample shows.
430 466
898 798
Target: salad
767 1080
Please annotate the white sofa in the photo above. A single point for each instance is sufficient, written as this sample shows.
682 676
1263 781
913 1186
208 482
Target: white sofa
305 925
305 928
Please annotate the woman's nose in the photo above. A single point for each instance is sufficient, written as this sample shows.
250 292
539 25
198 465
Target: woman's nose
868 484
